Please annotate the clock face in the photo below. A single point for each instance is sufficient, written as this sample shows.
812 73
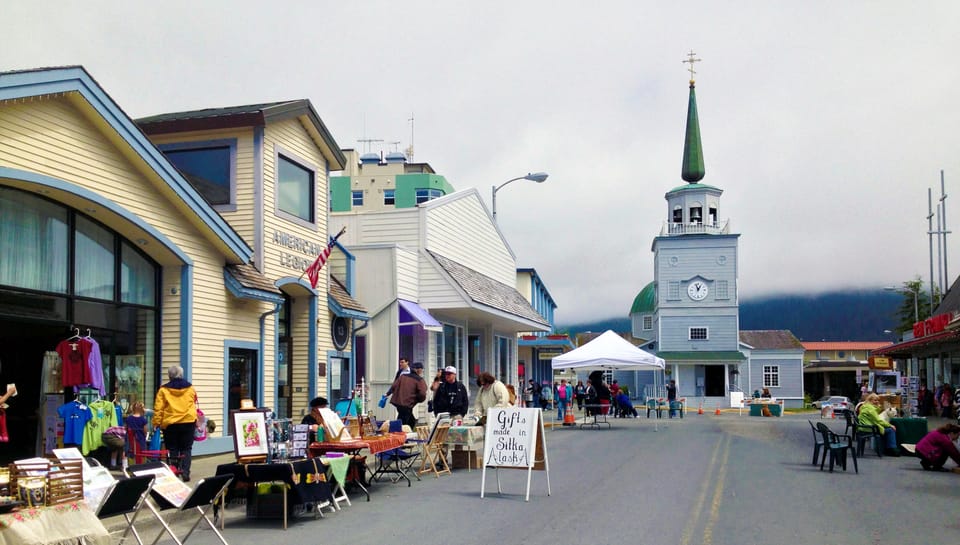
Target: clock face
698 290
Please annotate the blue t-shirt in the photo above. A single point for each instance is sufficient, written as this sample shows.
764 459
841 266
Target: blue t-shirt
75 416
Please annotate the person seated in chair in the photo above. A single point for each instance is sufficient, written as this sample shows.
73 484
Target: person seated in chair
870 418
625 406
313 419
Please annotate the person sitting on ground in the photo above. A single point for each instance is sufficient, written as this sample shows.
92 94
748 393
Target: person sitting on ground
870 418
625 405
937 446
313 419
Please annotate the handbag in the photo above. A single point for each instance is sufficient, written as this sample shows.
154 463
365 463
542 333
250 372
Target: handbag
156 442
383 402
200 431
4 436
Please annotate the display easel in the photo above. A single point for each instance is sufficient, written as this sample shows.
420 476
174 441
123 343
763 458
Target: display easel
515 438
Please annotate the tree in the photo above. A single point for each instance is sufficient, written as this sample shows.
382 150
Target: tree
916 304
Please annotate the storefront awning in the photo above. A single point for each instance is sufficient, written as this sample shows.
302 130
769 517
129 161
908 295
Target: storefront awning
412 313
907 348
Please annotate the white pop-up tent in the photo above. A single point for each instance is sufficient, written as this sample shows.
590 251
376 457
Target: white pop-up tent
608 351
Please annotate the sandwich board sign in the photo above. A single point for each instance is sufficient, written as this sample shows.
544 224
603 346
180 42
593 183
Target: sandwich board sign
514 439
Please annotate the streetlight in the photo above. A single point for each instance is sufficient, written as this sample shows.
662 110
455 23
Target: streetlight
916 309
538 177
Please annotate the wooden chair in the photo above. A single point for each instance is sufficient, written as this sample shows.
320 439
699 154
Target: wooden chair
435 454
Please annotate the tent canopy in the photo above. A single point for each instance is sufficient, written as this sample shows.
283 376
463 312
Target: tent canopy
608 351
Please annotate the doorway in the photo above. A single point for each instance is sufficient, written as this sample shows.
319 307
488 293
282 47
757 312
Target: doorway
243 377
715 381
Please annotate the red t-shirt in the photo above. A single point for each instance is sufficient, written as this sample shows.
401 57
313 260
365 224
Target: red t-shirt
75 353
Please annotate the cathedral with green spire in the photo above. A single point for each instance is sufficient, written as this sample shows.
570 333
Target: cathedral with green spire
690 315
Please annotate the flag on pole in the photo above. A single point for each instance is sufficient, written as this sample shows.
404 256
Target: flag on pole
313 271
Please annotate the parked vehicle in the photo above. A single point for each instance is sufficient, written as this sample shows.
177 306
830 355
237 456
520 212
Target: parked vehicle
839 403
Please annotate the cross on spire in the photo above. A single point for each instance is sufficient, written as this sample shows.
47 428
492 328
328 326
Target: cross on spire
692 59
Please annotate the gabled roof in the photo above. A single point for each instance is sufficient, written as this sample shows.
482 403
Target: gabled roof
771 339
844 345
74 80
486 291
250 115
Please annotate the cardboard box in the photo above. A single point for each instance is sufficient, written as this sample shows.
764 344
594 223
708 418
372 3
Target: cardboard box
464 459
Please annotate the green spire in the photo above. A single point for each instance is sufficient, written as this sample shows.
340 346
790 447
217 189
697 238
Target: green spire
693 170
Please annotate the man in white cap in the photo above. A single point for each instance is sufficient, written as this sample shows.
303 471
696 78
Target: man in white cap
450 395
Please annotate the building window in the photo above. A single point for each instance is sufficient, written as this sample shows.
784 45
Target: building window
677 214
424 195
389 198
207 167
673 290
34 235
722 289
698 334
357 198
647 323
295 189
696 214
771 376
94 248
841 354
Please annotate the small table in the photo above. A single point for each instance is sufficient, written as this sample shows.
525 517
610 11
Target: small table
375 444
909 430
595 417
66 522
298 476
467 439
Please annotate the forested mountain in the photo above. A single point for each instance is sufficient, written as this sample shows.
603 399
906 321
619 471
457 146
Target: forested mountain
835 316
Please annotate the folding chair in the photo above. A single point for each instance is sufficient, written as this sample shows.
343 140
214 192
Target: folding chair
125 498
435 454
206 494
397 461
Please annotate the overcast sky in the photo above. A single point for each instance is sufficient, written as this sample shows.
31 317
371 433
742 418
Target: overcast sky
823 122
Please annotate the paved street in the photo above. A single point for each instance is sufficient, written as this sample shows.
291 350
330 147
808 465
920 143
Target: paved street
704 479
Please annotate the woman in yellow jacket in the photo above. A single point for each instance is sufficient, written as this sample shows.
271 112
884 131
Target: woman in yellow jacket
175 412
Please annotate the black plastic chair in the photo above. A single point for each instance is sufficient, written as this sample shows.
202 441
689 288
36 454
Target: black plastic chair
817 443
863 433
837 446
125 498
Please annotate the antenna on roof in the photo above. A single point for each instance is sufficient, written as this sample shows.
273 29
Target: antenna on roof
409 151
367 142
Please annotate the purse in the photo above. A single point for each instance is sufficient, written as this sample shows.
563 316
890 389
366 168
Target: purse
4 436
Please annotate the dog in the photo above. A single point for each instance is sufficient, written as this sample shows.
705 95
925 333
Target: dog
888 413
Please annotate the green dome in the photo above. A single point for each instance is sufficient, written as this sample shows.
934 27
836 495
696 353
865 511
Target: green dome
646 300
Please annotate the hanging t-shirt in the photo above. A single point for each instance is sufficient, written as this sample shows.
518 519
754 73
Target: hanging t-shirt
95 365
103 416
75 354
75 416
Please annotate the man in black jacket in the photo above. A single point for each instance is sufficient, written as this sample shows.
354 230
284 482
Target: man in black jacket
450 395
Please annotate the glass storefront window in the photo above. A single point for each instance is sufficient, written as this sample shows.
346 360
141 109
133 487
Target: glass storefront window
94 271
33 230
138 277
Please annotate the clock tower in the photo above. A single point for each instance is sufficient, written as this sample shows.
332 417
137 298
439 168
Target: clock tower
696 314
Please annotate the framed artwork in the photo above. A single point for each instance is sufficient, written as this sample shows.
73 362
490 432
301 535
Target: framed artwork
333 427
250 434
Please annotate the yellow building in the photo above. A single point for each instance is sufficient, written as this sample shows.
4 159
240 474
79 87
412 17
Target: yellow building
179 239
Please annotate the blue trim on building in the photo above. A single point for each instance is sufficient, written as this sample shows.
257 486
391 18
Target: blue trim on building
258 240
312 348
100 201
242 292
338 310
14 85
282 283
186 319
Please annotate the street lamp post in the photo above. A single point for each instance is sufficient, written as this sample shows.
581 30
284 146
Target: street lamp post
916 305
538 177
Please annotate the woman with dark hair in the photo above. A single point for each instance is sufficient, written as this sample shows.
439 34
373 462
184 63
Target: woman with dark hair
492 393
603 392
937 446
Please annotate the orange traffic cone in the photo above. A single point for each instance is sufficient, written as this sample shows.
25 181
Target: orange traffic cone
833 414
717 412
700 409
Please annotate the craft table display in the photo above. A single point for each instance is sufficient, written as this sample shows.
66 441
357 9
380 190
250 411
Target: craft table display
466 442
303 478
374 444
71 522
